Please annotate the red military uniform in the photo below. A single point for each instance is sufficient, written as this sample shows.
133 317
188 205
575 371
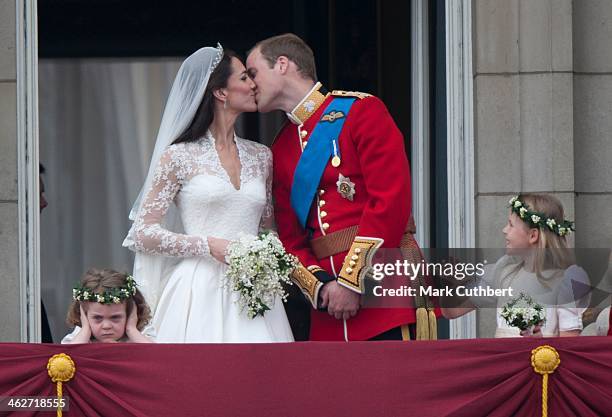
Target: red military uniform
376 198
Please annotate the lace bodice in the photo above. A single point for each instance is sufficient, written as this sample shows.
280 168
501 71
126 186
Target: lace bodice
191 176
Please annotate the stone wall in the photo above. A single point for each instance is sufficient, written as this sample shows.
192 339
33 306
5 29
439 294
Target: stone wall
9 231
524 111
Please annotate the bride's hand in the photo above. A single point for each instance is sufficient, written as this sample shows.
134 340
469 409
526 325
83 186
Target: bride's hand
218 248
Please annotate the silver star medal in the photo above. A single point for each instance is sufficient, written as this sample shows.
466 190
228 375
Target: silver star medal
346 188
309 106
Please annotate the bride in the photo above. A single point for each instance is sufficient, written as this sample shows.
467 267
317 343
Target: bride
212 185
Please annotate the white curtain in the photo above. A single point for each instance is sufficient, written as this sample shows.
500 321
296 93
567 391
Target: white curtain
98 123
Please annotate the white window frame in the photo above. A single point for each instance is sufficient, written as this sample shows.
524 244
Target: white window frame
460 137
460 146
26 41
420 134
460 140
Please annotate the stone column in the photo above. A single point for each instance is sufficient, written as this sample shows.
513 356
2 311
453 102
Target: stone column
593 122
524 134
9 233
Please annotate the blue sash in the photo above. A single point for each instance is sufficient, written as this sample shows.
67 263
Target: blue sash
322 144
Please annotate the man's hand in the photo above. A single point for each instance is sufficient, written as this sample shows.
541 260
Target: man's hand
341 302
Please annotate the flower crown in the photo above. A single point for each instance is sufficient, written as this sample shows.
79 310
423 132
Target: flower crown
112 296
538 219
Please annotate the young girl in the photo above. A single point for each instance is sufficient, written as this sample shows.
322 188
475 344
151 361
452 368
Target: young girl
539 264
108 308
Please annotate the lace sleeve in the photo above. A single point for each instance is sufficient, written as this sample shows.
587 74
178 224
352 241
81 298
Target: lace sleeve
267 217
149 234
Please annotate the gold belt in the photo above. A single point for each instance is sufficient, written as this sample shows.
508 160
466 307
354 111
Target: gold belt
341 241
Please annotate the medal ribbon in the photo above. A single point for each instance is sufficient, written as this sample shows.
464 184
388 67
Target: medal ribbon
313 161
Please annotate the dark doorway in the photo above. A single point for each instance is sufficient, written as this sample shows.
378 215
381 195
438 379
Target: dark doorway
360 46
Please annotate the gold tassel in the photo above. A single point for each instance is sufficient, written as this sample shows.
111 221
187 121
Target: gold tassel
545 359
60 369
422 325
433 324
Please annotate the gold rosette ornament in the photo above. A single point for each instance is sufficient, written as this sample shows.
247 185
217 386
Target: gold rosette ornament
544 360
61 369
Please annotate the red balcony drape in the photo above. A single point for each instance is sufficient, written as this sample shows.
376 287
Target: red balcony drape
471 378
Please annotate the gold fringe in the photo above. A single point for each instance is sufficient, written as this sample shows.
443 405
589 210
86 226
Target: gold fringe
426 324
433 324
422 325
405 332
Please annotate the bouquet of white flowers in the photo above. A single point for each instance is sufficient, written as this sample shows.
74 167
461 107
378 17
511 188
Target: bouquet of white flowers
523 312
258 267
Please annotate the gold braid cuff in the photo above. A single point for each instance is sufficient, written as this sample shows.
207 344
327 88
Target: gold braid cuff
358 262
305 279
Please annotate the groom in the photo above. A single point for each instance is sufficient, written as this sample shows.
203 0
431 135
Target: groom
341 189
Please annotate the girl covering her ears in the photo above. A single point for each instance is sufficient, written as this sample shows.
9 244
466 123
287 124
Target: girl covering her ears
108 308
539 264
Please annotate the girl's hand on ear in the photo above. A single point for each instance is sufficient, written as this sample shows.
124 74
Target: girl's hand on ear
85 334
84 320
132 321
131 327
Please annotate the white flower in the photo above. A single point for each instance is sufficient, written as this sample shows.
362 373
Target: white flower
522 212
551 223
517 204
116 300
100 298
258 267
535 218
512 200
523 312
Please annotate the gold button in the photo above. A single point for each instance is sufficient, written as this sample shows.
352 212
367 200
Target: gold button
354 257
321 192
303 133
357 250
352 263
349 270
323 214
325 226
321 203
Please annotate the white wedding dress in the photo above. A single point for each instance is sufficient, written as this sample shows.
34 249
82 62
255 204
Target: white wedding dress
193 305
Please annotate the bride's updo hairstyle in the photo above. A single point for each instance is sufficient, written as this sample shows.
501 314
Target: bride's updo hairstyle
205 113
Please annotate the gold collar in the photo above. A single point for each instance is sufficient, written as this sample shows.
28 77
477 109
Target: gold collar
308 106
